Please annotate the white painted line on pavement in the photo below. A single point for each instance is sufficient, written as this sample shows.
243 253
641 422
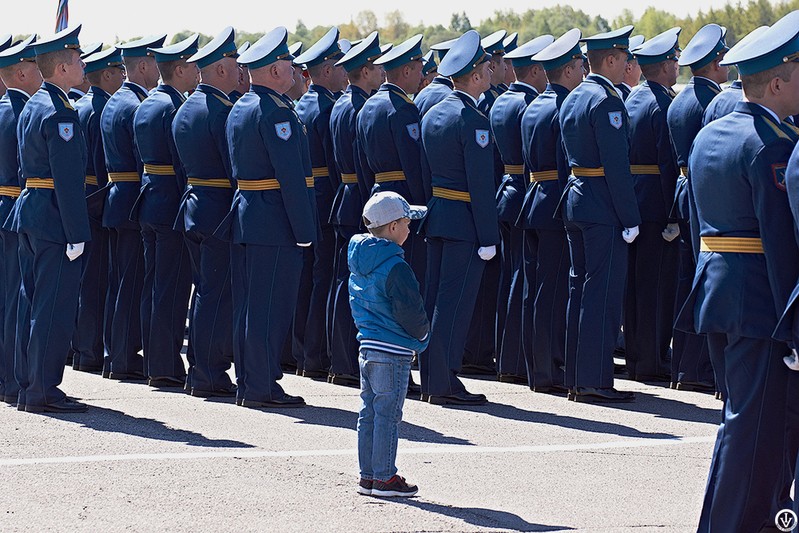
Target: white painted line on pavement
440 449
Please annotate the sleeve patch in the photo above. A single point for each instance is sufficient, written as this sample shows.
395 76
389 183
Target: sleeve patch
66 130
283 130
615 119
778 173
413 130
482 138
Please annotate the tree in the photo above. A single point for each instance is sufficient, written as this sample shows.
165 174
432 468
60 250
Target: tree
460 22
366 22
396 28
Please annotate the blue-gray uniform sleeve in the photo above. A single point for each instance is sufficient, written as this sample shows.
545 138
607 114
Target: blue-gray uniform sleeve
667 160
614 155
94 142
67 155
180 172
326 135
409 150
407 306
479 164
366 178
286 158
220 139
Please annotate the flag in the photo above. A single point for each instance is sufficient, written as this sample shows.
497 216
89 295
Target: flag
62 15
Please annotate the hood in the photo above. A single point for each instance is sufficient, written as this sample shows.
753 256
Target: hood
366 253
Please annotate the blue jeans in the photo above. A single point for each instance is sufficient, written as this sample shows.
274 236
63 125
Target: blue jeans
384 383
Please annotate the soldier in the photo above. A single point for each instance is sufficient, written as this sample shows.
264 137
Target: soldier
300 86
652 268
632 74
126 257
439 87
167 269
461 225
600 201
78 92
365 78
51 219
19 74
506 122
510 43
105 73
244 77
5 42
690 361
546 254
271 219
493 45
429 71
748 264
314 109
199 133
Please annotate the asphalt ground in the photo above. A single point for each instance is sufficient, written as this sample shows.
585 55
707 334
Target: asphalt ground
143 459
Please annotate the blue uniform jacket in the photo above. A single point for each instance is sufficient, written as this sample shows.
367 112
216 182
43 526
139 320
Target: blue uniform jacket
506 125
436 90
267 141
595 129
350 197
11 105
121 154
737 175
389 135
542 148
788 326
51 145
724 103
90 109
650 144
152 126
487 99
459 150
199 133
314 108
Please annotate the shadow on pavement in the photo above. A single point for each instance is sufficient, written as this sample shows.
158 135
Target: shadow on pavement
480 517
339 418
667 408
113 421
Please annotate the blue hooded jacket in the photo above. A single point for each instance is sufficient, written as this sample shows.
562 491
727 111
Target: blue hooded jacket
384 297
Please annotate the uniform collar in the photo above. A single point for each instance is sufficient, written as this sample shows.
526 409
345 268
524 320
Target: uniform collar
356 89
319 89
521 86
135 87
53 87
767 110
736 85
395 88
443 81
660 87
706 81
602 80
467 95
557 88
98 91
210 89
74 90
20 91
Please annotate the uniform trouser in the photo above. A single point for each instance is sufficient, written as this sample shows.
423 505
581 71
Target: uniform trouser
690 357
294 348
649 303
9 301
576 282
167 266
545 367
125 293
480 348
453 280
343 344
603 252
52 283
510 356
752 458
87 341
265 284
316 355
211 321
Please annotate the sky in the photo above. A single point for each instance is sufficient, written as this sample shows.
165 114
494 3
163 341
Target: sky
114 20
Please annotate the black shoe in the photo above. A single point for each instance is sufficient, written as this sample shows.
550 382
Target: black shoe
512 378
226 392
599 395
11 400
478 370
106 373
550 389
127 376
347 380
238 401
461 398
396 487
286 400
696 386
64 406
365 487
719 396
88 368
619 369
654 378
414 389
314 374
424 397
165 382
288 368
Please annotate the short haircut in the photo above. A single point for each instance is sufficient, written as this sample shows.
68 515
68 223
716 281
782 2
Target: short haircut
167 69
316 70
523 72
95 77
379 230
597 57
557 73
48 62
357 74
705 69
651 69
755 84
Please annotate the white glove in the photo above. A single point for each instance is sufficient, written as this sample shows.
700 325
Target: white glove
74 250
303 244
671 232
487 253
792 361
629 234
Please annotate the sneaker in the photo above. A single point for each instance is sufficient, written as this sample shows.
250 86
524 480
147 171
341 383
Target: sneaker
394 487
365 486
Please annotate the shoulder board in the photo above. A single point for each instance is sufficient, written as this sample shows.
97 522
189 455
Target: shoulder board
224 101
781 134
611 92
66 102
403 96
278 102
790 127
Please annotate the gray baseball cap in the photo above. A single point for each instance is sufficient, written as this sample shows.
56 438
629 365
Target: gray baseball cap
385 207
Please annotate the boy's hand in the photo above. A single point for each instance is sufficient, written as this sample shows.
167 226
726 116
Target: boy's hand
487 253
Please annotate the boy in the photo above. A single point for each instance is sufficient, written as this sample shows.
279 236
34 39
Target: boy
392 328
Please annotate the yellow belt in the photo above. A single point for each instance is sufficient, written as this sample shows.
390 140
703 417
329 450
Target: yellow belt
741 245
159 170
39 183
349 178
544 175
582 172
119 177
514 169
259 185
309 183
320 172
450 194
91 180
219 183
684 171
394 175
9 190
652 170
